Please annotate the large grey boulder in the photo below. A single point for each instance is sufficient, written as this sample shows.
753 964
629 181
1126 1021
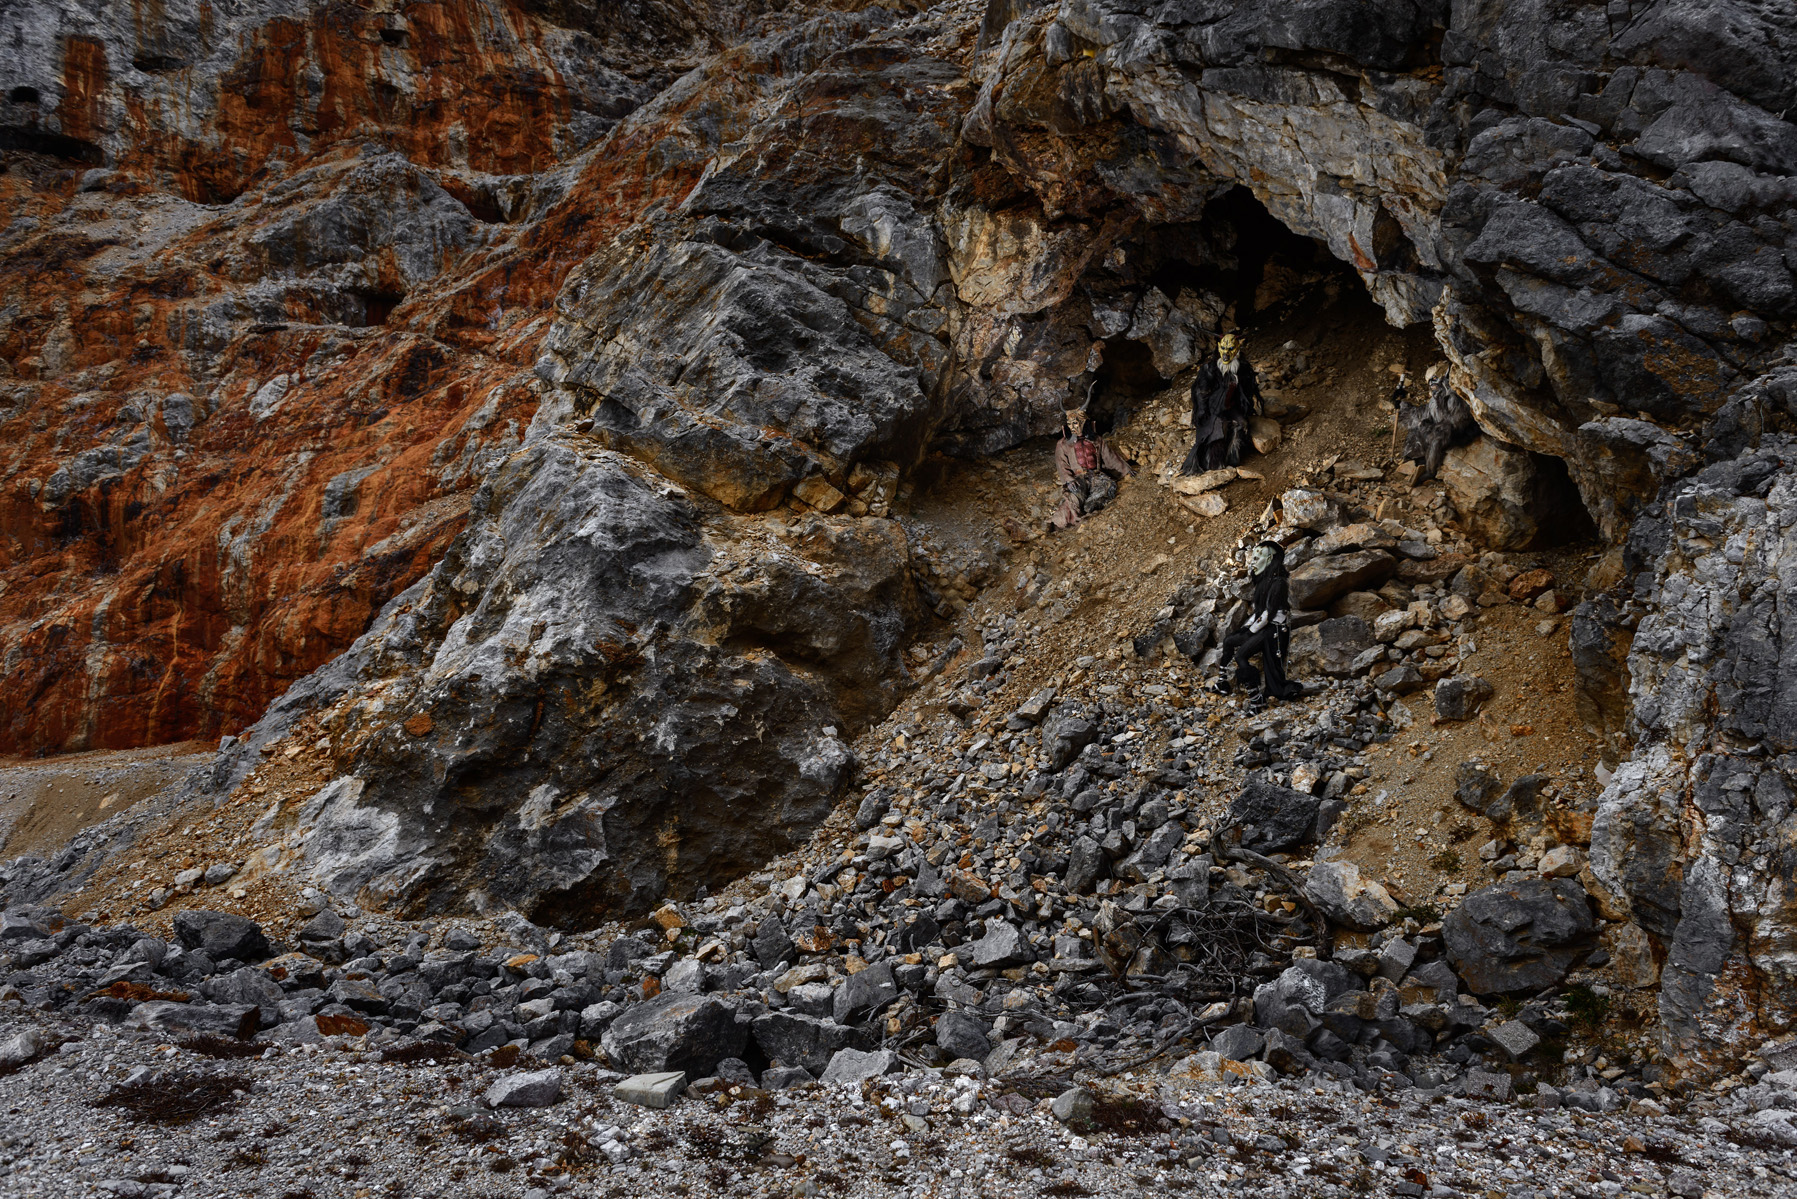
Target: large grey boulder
1085 863
959 1035
536 1088
1064 737
245 985
221 935
23 1047
1459 696
1238 1042
574 790
865 994
790 1039
1333 647
1338 889
1152 853
1321 581
1003 946
1307 983
1517 937
1271 817
851 1067
675 1032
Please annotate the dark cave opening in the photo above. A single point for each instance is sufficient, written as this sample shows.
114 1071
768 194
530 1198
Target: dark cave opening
54 145
1124 380
1235 268
23 95
377 306
1568 521
481 204
1274 267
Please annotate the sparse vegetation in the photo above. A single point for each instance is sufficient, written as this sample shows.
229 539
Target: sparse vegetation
1587 1008
173 1097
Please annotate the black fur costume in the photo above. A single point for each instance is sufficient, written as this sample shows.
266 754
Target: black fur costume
1434 426
1222 402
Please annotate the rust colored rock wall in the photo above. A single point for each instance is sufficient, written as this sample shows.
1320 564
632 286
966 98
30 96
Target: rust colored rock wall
271 285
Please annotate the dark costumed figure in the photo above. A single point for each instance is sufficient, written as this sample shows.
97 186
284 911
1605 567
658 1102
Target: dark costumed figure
1442 421
1086 467
1267 633
1224 396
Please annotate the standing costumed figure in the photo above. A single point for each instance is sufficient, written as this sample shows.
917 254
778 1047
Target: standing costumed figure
1224 396
1086 467
1267 633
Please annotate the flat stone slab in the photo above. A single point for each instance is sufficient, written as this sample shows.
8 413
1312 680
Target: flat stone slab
1516 1037
538 1088
651 1090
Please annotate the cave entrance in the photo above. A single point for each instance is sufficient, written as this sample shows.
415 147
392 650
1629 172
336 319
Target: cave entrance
1124 381
377 306
1275 269
1565 519
1234 268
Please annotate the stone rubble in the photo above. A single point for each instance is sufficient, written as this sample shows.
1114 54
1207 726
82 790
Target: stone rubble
1082 924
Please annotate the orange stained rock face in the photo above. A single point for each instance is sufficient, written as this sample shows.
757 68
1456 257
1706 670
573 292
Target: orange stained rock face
219 460
454 83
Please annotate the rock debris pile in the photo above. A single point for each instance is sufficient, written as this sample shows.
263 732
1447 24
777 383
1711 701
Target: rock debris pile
1094 933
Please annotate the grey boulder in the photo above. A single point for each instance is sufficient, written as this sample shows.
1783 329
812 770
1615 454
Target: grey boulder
1459 697
538 1088
1272 817
245 985
1238 1042
865 994
1002 947
1321 581
1065 736
221 935
1522 936
960 1035
1333 646
1346 898
22 1048
675 1032
794 1040
1403 679
326 926
772 944
851 1066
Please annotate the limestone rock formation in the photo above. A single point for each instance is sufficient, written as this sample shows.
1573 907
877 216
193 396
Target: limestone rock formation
273 278
1695 828
518 392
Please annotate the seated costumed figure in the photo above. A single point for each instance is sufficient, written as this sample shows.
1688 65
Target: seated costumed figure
1086 467
1267 633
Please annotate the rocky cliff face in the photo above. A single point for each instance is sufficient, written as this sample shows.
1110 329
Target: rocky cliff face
273 279
258 369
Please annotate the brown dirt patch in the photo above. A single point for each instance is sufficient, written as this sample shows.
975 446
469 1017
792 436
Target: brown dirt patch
46 801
